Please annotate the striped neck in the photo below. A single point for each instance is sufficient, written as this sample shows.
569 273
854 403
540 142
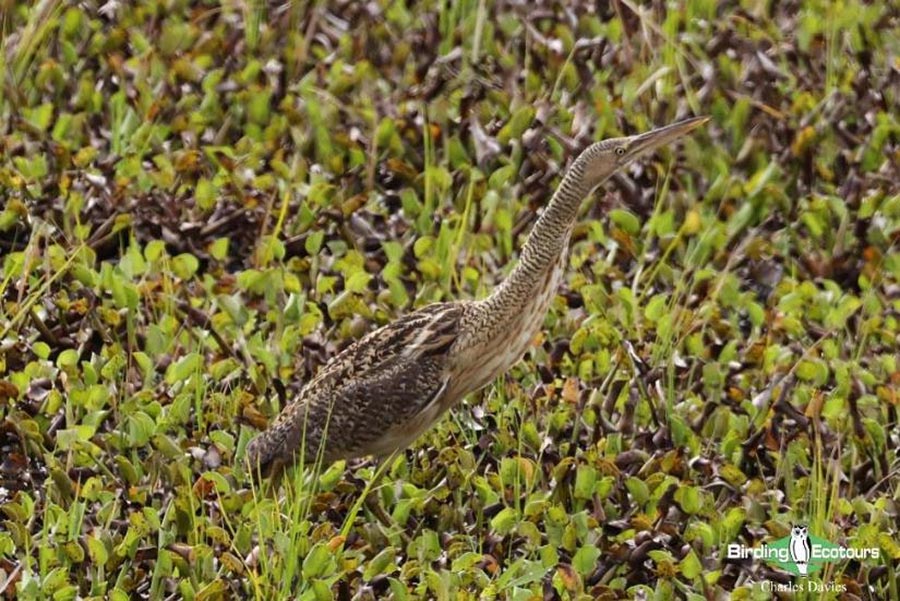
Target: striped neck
547 243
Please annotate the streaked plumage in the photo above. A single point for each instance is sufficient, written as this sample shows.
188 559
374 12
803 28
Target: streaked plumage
384 390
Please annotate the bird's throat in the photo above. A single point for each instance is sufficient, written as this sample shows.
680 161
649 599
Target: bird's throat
514 316
510 318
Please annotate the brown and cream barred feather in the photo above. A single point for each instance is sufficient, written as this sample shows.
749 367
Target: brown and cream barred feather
383 391
365 400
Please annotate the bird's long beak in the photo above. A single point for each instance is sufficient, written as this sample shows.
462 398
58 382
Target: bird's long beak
642 143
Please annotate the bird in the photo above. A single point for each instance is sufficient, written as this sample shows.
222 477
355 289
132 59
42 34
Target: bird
383 391
800 548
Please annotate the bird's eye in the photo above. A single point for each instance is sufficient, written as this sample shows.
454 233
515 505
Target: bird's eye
620 151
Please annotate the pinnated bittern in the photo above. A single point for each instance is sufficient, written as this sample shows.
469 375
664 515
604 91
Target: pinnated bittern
383 391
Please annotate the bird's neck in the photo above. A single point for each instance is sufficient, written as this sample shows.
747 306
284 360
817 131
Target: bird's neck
545 248
506 322
505 325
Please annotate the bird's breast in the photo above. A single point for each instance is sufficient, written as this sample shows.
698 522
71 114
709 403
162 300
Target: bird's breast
510 336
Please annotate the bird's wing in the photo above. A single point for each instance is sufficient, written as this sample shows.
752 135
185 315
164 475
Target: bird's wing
369 415
426 333
371 389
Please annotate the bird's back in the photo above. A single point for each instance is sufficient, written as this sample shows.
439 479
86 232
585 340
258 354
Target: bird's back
367 397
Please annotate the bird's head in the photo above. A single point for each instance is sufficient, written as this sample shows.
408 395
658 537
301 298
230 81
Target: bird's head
601 160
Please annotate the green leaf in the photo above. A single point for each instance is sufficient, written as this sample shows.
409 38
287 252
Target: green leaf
656 308
815 371
318 562
501 177
66 439
127 470
731 524
385 132
66 593
585 559
876 432
691 566
733 474
626 220
585 481
214 590
689 497
358 282
67 358
759 179
219 249
41 349
258 109
221 484
97 551
517 124
314 242
124 293
702 531
380 563
40 116
321 591
422 246
205 194
185 266
154 250
638 489
31 169
141 428
505 521
330 477
184 368
399 591
466 561
71 22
